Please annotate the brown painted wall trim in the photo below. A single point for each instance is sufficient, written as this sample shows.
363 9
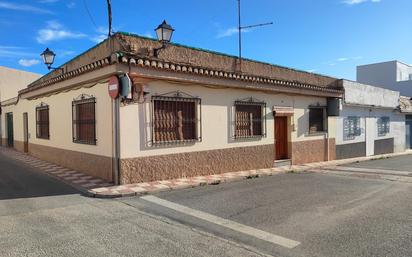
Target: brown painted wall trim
313 151
173 166
94 165
19 145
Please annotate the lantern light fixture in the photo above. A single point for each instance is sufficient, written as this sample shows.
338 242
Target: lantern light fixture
48 59
164 33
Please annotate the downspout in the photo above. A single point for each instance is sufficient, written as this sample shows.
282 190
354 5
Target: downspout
116 133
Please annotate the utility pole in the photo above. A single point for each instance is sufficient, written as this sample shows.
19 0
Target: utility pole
240 28
109 11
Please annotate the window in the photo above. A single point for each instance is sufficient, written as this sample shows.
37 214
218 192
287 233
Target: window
42 122
351 127
249 119
316 120
84 120
383 126
175 119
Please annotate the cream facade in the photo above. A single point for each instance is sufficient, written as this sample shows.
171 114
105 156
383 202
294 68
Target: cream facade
59 147
294 126
218 150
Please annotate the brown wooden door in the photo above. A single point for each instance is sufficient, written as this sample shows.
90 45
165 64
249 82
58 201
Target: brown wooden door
281 138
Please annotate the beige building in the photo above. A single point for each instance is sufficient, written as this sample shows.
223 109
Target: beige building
12 80
187 112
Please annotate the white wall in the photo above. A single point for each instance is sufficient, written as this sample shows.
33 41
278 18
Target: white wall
361 94
397 125
392 75
377 74
217 119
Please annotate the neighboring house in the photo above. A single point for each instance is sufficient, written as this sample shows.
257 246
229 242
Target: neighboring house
189 112
406 108
11 81
370 122
393 75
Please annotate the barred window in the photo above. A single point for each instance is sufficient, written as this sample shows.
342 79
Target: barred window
316 120
383 126
84 121
249 119
351 127
175 119
42 122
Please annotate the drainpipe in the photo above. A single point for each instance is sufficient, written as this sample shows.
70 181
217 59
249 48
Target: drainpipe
116 133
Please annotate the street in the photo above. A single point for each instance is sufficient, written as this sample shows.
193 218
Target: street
295 214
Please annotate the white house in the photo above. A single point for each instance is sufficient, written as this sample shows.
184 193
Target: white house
370 122
393 75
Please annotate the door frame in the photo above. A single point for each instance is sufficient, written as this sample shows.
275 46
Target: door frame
287 139
9 129
26 131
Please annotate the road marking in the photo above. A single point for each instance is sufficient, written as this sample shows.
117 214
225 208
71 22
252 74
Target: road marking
370 170
260 234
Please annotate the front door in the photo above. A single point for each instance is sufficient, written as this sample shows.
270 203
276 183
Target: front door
408 128
10 135
281 138
26 132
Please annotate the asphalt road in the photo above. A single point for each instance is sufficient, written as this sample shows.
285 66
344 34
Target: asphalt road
328 215
399 163
40 216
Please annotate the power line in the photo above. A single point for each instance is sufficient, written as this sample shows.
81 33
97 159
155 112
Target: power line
89 14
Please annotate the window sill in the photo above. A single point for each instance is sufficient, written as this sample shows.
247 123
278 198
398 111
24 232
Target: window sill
248 137
314 134
84 142
176 142
44 138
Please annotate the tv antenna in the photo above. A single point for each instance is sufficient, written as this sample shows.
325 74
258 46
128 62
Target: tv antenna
240 28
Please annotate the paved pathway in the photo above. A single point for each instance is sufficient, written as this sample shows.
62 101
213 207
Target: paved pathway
79 180
96 187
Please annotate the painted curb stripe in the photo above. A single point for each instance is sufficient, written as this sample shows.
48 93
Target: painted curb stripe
260 234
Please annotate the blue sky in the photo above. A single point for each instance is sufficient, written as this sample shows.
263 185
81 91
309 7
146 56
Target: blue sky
324 36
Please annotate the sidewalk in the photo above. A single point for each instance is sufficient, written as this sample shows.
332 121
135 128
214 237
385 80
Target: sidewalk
82 182
96 187
158 186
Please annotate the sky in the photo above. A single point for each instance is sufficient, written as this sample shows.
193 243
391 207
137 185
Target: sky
328 37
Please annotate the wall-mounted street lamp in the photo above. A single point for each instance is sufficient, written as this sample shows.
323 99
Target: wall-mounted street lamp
164 34
48 59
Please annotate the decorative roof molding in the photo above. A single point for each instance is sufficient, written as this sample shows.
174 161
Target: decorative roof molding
170 66
145 62
68 75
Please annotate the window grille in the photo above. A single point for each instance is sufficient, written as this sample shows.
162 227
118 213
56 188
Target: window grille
383 126
250 120
84 120
352 127
42 122
316 120
176 119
